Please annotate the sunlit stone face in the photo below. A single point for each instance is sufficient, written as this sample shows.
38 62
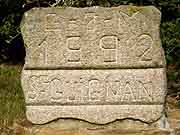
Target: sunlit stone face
96 64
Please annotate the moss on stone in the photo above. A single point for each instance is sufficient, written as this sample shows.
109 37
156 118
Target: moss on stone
133 9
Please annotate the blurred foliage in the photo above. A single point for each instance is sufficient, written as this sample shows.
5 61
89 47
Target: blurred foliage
178 104
170 35
11 43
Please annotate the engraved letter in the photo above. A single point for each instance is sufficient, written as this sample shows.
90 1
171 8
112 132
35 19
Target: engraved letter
109 47
56 89
52 23
95 90
128 94
143 47
74 46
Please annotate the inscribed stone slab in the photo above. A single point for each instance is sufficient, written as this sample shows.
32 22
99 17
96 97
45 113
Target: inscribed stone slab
89 87
96 64
118 37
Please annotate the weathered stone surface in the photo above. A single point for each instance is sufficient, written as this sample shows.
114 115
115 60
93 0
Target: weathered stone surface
100 114
95 64
114 93
89 87
54 131
174 118
79 127
96 37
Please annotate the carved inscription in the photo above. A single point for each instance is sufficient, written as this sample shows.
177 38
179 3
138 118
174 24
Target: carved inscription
110 23
143 48
41 51
109 48
52 22
74 46
96 64
90 18
57 93
73 27
81 87
96 90
94 39
142 42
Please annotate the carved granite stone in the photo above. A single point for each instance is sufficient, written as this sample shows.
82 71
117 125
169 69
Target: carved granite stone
89 87
95 64
92 38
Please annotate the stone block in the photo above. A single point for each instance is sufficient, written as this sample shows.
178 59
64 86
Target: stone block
118 37
95 64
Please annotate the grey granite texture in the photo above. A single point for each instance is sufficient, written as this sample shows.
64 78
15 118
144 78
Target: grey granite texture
95 64
96 37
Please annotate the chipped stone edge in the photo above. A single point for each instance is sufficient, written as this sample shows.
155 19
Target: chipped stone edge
46 114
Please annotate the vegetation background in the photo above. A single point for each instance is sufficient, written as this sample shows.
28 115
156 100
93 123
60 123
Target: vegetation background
12 50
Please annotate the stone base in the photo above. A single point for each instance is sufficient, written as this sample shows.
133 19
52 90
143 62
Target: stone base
95 114
50 131
78 127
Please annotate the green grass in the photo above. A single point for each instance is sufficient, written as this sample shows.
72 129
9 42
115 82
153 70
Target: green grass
12 105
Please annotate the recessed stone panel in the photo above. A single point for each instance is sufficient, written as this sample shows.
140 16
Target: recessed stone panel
119 37
94 87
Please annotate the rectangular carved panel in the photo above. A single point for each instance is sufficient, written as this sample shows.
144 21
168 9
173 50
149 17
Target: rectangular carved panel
100 87
92 38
